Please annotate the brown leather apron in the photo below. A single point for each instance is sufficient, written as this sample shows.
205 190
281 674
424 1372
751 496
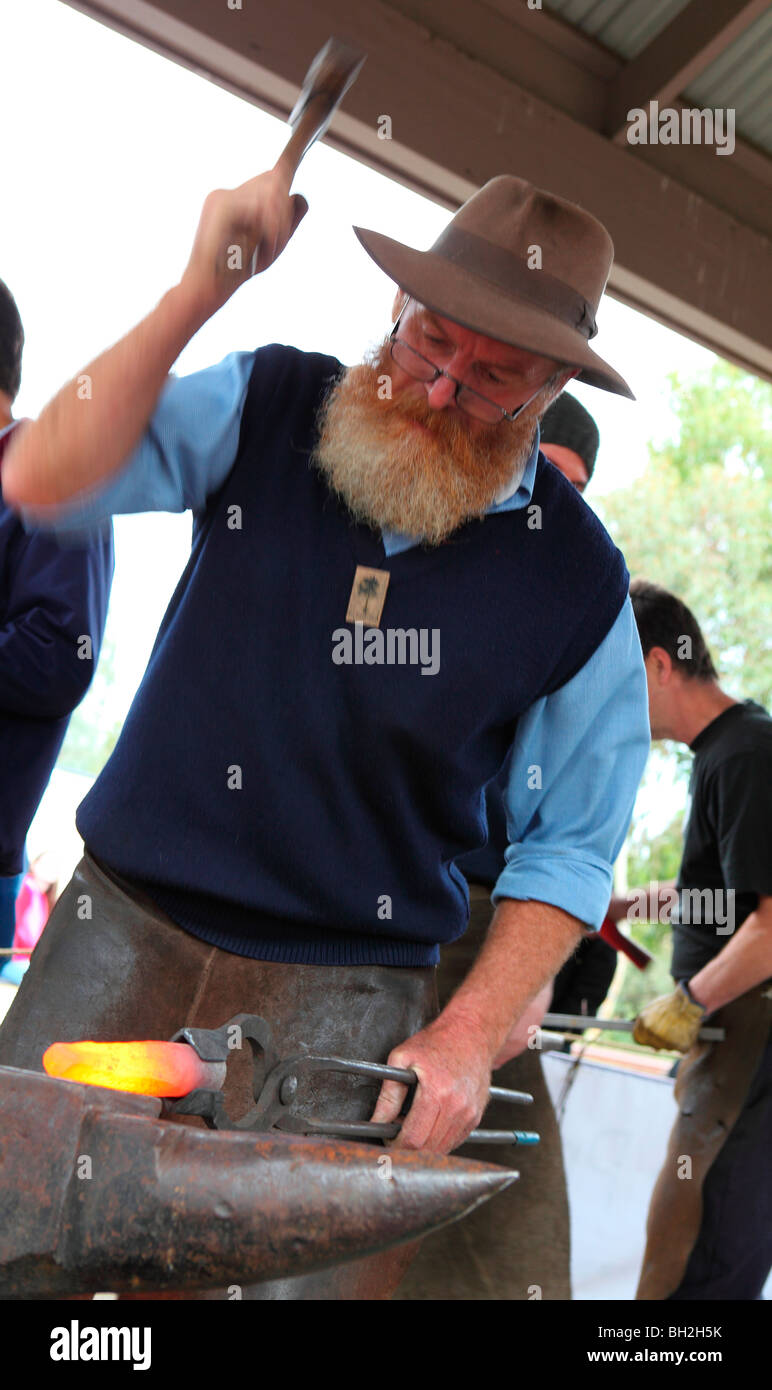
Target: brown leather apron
520 1248
712 1083
126 971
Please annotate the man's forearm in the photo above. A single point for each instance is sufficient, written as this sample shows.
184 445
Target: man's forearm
745 961
526 945
453 1056
96 420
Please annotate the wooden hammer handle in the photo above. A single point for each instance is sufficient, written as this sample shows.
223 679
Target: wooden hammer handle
306 130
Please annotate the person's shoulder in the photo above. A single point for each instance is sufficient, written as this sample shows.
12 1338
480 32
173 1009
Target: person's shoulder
284 358
749 728
288 378
561 494
744 738
584 538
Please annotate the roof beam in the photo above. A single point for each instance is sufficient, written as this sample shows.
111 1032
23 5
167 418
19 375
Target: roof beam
557 63
684 48
741 186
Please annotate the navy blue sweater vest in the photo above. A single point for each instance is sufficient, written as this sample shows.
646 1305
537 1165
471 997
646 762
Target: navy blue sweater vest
290 807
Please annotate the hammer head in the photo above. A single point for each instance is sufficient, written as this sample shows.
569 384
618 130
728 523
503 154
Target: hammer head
329 77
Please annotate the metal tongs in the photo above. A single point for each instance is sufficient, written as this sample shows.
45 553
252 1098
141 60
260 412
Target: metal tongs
277 1084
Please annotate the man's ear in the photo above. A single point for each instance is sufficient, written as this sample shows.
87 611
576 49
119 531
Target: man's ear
560 380
662 665
557 384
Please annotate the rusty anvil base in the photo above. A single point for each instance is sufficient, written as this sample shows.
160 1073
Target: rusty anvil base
98 1193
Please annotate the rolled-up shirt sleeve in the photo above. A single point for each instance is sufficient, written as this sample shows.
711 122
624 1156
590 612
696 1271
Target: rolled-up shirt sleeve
573 774
186 452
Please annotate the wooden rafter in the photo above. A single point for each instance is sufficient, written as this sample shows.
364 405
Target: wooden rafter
682 50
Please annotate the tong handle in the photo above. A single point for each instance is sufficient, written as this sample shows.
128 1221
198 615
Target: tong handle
368 1129
409 1078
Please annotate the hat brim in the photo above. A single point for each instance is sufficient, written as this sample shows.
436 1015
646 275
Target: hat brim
477 304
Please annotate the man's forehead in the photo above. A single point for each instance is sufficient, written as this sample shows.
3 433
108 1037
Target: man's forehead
488 348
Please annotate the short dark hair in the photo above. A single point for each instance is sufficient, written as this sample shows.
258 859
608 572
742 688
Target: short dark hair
11 343
665 621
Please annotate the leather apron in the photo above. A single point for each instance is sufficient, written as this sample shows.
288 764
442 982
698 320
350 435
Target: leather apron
110 965
711 1086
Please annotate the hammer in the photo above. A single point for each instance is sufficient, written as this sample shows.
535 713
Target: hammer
329 77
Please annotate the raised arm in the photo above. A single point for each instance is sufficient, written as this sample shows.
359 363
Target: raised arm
97 419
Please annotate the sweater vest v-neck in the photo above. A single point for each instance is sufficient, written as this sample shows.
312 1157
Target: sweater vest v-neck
286 803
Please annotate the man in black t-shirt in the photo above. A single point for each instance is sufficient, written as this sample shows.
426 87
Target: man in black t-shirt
709 1232
728 838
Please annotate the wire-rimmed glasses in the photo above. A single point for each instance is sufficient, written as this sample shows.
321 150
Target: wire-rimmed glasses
466 398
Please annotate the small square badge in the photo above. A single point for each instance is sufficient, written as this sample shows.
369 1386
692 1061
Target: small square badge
368 595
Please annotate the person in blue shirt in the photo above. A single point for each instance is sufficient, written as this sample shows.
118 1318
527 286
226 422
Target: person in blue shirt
281 815
53 607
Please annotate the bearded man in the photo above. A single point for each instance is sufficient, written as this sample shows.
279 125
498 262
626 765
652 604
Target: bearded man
276 829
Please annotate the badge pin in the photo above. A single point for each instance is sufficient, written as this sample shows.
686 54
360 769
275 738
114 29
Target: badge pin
368 595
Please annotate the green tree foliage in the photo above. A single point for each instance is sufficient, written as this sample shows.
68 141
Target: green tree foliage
708 538
657 856
724 417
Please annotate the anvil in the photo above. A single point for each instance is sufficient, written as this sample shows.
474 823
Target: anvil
98 1192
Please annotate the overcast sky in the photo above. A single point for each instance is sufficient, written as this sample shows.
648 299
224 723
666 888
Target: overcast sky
109 153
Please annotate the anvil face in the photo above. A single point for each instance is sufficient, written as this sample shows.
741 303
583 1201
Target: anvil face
97 1192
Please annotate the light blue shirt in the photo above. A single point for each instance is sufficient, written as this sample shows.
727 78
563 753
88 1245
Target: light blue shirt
578 755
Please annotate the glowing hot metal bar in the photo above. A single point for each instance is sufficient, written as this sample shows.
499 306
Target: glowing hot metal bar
143 1068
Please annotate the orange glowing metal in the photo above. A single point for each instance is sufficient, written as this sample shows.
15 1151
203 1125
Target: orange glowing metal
146 1068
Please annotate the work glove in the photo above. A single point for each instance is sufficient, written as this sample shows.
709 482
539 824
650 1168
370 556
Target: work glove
672 1021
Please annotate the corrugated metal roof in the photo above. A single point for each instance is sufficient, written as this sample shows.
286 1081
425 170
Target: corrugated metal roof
624 26
741 77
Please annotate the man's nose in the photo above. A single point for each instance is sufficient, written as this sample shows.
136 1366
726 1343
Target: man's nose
440 393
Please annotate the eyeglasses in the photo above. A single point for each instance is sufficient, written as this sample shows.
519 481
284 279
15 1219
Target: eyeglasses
466 398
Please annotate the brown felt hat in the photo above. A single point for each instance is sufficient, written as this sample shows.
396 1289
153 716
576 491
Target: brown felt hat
477 273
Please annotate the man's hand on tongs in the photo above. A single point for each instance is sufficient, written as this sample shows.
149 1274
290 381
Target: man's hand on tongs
452 1061
453 1057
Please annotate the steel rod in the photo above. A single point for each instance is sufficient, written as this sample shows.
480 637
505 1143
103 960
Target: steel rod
578 1022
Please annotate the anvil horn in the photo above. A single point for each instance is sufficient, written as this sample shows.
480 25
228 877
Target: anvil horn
96 1192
